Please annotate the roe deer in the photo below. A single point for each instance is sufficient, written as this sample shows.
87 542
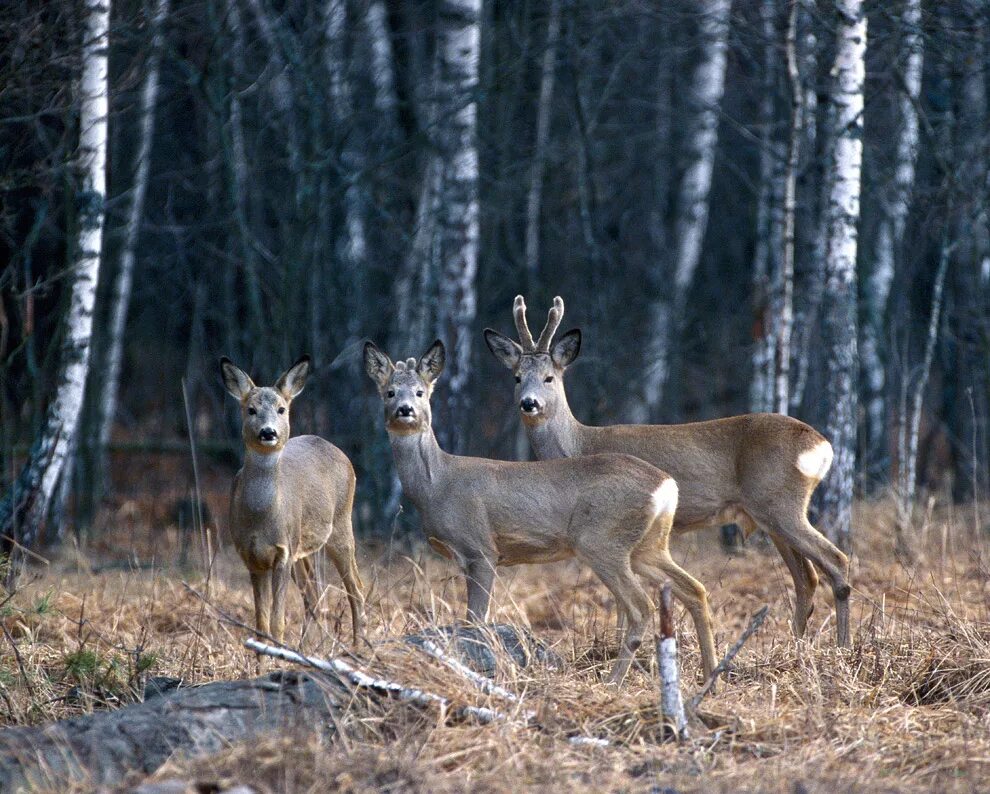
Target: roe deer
612 512
757 470
292 498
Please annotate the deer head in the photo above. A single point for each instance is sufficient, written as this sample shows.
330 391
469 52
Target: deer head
405 386
538 366
265 409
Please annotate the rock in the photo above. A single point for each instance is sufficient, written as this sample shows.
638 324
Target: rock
479 647
159 685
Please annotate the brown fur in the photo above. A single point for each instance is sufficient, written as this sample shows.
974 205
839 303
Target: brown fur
292 498
602 509
741 469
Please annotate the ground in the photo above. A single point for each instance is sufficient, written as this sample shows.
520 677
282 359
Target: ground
905 709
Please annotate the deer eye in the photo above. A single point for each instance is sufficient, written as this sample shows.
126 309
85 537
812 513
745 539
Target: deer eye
281 409
518 379
390 394
548 379
252 411
419 393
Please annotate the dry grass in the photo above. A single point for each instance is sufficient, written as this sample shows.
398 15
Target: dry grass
906 708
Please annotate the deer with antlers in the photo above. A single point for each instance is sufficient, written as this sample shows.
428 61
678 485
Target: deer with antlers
613 512
755 470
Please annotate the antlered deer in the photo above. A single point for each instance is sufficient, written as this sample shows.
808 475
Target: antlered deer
612 512
757 470
292 498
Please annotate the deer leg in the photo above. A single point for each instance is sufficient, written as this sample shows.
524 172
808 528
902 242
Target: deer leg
342 556
261 585
690 592
480 576
635 605
805 582
280 582
304 575
807 541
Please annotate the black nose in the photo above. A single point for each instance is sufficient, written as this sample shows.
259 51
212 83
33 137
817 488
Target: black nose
405 410
529 404
267 434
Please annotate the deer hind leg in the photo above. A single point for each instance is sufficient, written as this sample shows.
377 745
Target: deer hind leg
480 576
341 550
659 567
794 528
304 575
261 585
805 583
634 604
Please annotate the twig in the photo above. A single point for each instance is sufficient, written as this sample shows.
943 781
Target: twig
484 684
671 702
755 622
20 661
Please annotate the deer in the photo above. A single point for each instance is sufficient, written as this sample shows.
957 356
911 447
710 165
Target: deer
754 470
291 499
613 512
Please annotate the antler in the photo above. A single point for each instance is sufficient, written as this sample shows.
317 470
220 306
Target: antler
519 312
553 323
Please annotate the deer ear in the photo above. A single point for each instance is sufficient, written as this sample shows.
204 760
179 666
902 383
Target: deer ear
503 348
235 380
293 379
566 349
378 366
432 363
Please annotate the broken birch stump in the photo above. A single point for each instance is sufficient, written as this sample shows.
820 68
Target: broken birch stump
671 702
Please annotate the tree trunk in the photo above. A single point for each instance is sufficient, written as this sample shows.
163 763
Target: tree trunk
109 361
761 386
458 54
666 314
534 198
890 233
25 507
840 269
382 68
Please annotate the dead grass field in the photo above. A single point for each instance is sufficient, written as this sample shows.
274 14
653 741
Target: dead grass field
907 708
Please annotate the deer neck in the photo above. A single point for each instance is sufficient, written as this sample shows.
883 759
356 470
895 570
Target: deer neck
259 480
557 437
420 463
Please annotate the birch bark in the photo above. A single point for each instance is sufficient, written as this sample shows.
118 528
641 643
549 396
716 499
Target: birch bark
891 230
25 507
840 269
704 95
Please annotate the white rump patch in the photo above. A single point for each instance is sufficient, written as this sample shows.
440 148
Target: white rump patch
665 497
816 461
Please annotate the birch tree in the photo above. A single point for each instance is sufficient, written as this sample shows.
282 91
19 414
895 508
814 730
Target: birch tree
534 197
890 233
839 308
458 54
110 361
704 95
26 505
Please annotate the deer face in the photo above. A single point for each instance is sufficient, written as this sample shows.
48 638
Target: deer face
539 375
405 386
265 409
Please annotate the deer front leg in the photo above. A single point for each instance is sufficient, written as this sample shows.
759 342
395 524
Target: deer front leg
480 576
280 584
261 585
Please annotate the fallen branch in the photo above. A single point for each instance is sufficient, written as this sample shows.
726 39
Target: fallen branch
339 667
755 622
671 702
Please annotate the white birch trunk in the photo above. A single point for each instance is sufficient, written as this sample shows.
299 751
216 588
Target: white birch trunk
763 338
705 94
382 61
120 297
28 502
840 268
534 198
891 231
458 53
